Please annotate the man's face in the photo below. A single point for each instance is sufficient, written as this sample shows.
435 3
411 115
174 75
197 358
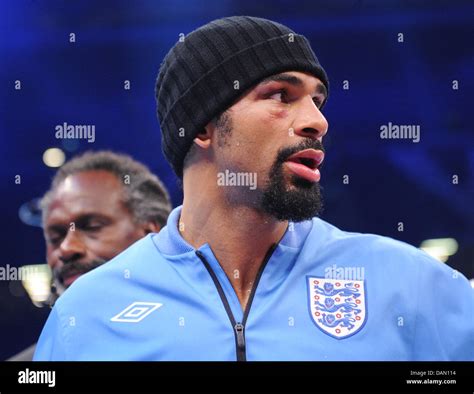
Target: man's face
275 131
86 225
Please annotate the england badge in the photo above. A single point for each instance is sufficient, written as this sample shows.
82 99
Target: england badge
338 307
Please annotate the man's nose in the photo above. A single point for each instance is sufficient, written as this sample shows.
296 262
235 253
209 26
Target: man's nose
72 247
310 122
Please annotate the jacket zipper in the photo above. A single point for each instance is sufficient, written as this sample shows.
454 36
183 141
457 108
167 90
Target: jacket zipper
240 339
238 327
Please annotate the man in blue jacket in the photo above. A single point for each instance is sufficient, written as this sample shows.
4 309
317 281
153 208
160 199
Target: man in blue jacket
244 270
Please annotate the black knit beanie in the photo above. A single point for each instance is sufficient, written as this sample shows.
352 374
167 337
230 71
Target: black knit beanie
206 71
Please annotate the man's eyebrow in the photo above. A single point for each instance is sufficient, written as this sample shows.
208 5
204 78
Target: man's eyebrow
291 79
295 81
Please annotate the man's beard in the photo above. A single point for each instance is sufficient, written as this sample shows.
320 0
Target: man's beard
71 268
301 201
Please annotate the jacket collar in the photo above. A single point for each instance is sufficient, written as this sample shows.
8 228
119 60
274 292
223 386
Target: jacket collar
170 242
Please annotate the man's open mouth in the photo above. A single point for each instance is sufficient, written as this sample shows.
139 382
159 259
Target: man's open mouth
306 163
69 276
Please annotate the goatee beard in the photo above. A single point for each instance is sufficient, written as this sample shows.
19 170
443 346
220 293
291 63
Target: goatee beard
301 200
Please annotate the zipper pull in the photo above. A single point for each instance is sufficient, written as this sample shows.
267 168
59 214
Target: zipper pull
239 329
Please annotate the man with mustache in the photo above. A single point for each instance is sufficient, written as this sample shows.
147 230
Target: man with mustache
250 273
99 204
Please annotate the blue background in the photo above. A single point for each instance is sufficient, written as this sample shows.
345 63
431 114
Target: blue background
391 181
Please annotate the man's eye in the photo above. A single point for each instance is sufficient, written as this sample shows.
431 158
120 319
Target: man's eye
56 240
317 101
281 96
93 227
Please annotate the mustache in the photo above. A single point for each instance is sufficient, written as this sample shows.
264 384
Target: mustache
285 153
71 268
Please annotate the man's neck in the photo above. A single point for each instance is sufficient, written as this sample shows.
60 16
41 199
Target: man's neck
239 237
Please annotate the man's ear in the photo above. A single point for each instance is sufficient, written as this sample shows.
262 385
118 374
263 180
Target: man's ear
204 138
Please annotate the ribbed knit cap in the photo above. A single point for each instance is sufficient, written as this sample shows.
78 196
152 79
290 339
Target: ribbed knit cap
203 74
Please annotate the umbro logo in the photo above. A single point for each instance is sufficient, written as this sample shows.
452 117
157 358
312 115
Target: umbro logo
136 312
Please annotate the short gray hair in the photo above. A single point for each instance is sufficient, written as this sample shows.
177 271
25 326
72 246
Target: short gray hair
144 194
